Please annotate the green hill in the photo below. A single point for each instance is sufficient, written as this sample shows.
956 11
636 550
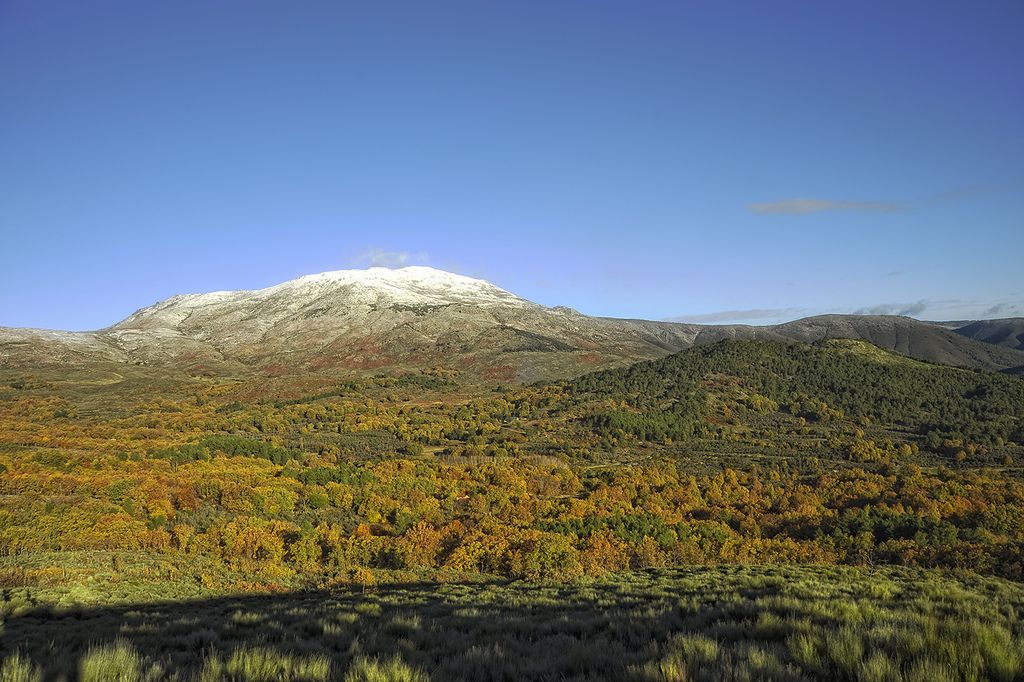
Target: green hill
837 379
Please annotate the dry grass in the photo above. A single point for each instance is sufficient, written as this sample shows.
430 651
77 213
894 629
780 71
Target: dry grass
718 623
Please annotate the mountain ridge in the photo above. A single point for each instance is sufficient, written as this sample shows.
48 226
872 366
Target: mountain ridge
357 321
1007 332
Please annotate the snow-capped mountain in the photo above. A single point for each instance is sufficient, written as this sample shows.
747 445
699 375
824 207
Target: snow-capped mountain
354 321
312 295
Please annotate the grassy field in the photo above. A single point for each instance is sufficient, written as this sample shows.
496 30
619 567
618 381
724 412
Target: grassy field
701 623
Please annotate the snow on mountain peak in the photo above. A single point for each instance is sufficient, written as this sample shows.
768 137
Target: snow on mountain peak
413 285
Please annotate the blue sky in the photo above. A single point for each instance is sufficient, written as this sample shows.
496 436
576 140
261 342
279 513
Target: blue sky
705 161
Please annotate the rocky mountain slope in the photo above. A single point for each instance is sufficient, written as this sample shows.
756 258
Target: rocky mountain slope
360 321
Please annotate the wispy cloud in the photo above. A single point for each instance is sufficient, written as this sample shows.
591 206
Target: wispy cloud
943 309
737 315
374 257
804 206
908 309
952 309
1003 310
801 206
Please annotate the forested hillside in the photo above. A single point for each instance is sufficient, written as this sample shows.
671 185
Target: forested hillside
735 452
844 380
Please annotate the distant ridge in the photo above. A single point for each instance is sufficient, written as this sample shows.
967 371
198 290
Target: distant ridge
1008 332
904 335
366 321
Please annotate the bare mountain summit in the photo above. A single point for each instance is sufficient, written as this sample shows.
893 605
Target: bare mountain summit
357 321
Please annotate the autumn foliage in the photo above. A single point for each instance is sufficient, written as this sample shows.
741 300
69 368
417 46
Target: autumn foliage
727 455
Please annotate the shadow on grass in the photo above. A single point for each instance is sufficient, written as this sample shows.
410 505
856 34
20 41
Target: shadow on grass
715 623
